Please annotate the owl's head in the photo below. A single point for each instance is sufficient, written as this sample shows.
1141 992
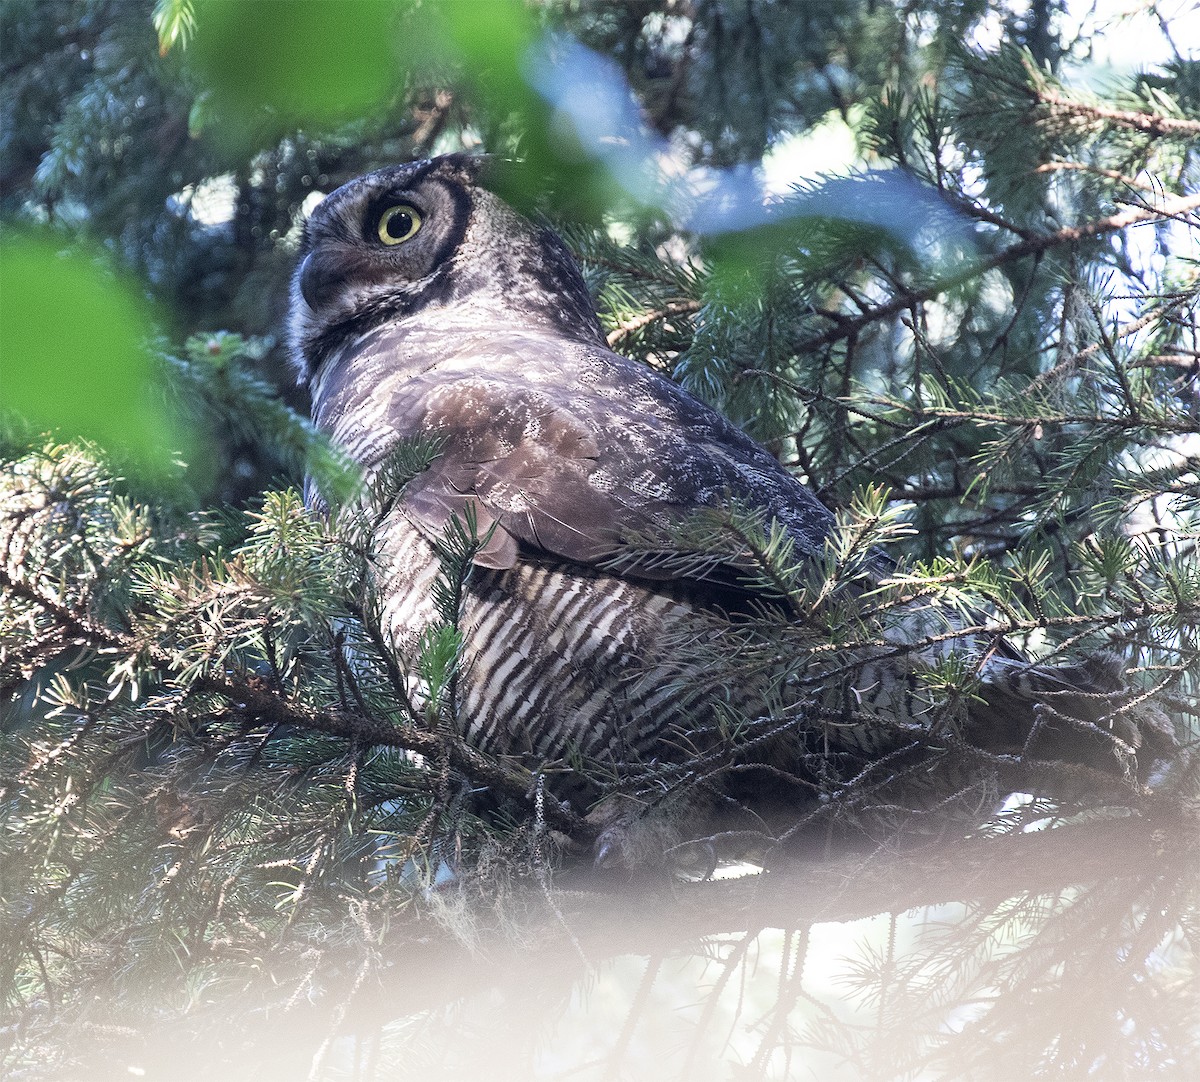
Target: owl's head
411 241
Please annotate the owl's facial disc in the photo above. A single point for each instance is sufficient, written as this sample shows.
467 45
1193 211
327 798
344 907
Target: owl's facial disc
382 237
338 258
378 249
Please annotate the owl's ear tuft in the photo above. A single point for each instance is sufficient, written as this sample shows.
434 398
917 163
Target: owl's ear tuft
465 167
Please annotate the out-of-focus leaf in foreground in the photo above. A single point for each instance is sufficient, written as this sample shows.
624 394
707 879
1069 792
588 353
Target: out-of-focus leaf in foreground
317 64
500 45
274 67
74 353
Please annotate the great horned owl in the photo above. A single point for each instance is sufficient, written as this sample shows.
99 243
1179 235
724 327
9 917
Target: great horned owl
423 305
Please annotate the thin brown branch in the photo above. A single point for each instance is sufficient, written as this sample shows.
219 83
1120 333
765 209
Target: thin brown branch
1084 167
80 630
1151 123
974 210
1034 245
1122 421
508 778
1068 363
271 708
631 326
1189 363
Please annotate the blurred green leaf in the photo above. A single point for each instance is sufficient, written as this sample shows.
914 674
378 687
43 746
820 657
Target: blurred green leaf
273 66
497 44
317 64
74 352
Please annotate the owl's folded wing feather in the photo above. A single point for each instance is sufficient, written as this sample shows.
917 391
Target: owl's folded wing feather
579 474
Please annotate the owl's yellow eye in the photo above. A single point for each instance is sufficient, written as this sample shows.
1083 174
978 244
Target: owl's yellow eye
398 224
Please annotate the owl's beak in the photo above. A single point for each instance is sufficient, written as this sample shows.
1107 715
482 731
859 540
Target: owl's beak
316 276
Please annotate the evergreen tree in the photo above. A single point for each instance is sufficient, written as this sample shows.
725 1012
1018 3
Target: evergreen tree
979 343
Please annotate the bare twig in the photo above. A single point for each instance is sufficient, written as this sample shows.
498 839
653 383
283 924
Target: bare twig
1151 123
631 326
1034 245
1085 167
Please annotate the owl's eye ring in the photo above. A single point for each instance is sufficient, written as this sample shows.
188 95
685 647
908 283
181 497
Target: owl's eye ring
399 223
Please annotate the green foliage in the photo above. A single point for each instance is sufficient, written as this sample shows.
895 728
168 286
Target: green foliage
153 786
175 21
249 429
441 648
76 352
315 67
978 344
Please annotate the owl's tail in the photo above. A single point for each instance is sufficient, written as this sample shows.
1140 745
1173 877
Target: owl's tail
1083 714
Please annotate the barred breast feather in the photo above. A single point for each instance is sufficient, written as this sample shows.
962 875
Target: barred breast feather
555 657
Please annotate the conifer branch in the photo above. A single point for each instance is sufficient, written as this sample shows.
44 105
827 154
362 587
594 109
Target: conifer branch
631 326
1096 170
273 709
847 326
1129 421
1150 123
1068 364
228 802
510 779
78 630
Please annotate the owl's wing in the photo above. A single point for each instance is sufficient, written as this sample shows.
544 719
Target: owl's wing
578 473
